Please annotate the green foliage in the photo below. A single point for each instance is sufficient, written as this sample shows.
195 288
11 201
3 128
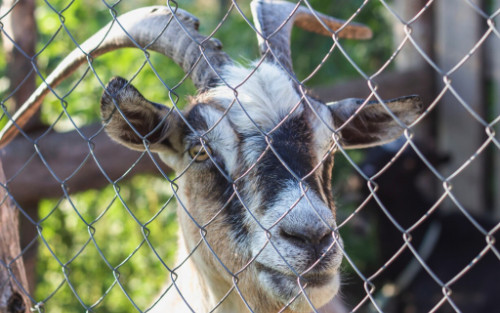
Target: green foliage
78 100
91 237
91 241
362 247
308 49
4 86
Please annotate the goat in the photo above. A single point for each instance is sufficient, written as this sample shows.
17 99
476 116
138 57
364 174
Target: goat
254 154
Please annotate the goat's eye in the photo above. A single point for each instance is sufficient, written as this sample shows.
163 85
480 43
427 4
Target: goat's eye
199 153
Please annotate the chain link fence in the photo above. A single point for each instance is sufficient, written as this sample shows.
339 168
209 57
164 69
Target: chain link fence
105 228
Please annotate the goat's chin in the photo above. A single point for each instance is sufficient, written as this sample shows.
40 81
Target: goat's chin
286 289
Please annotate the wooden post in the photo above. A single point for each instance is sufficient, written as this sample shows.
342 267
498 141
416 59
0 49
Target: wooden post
13 281
409 58
493 60
458 29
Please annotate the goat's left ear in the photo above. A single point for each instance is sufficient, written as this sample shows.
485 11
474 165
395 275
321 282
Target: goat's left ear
371 124
133 121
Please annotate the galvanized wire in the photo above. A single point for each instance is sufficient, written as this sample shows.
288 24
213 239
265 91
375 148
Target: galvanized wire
372 298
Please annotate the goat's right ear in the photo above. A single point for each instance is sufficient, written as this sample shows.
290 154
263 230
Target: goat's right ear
134 121
365 124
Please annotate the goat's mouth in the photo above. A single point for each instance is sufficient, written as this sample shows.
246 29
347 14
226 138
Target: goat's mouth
309 279
291 289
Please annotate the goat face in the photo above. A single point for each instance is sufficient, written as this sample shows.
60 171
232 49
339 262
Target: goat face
255 163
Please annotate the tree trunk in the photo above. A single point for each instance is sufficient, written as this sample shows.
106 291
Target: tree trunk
13 282
20 25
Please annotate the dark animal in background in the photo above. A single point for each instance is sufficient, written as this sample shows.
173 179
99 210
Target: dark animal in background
446 241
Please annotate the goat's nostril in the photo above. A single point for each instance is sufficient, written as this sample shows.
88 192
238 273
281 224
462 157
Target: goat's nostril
294 237
326 240
317 237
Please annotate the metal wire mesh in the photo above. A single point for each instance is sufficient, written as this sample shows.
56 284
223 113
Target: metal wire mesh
412 247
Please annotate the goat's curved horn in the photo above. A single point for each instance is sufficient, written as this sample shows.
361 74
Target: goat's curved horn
274 20
154 28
